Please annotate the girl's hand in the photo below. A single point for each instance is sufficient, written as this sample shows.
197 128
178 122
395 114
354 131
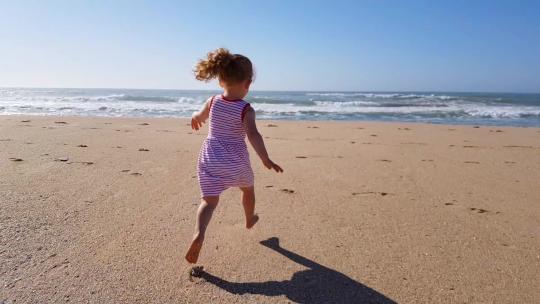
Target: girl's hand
271 165
198 118
195 123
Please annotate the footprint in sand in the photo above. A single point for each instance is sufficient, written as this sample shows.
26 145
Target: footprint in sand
476 127
471 162
370 192
497 131
471 147
271 125
136 174
479 210
62 159
289 191
427 160
5 139
514 146
82 146
301 157
384 160
82 162
269 186
451 129
404 129
118 147
144 124
449 204
25 120
360 128
373 135
15 159
143 150
509 162
125 170
61 122
314 127
352 142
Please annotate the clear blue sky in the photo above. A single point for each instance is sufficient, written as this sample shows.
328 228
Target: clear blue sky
295 45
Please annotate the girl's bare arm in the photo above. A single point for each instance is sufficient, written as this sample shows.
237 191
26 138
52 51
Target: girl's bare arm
256 140
198 118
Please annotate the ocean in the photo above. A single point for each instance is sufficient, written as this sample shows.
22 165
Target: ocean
434 107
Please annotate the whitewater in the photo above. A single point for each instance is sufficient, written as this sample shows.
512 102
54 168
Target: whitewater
433 107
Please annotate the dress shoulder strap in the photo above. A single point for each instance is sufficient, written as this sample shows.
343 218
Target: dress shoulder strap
244 109
211 102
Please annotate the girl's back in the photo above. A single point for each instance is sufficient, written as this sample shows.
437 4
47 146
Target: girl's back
226 119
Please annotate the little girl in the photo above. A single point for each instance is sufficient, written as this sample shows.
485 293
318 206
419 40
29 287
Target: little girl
224 159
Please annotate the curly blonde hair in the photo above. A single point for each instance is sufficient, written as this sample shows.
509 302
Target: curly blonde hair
227 67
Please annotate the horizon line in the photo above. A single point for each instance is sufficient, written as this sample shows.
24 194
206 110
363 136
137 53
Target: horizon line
299 91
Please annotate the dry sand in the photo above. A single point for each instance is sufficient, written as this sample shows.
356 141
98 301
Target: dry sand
365 213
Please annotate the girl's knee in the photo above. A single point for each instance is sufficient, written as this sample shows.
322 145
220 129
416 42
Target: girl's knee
249 189
212 200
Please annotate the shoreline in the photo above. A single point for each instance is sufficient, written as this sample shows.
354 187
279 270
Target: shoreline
24 116
101 209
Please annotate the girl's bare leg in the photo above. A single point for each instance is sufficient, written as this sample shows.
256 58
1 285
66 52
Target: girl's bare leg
248 201
204 214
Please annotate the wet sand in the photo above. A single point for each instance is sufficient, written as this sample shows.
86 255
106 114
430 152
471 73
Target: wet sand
100 210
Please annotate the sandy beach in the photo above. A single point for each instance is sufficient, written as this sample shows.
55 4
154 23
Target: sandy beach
101 210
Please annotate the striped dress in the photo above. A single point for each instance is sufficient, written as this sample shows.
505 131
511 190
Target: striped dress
224 159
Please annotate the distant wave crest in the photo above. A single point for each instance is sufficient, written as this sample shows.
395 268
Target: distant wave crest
512 109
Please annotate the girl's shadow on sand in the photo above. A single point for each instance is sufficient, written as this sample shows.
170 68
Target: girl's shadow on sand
318 284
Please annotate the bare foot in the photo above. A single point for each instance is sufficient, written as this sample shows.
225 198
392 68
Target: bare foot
192 254
252 222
